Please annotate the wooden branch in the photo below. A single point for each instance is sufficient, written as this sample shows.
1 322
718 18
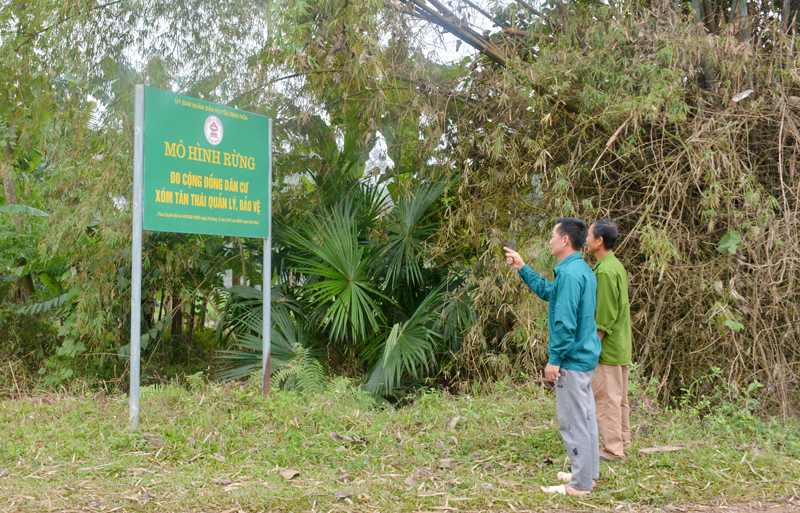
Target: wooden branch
301 73
523 33
442 9
538 13
496 21
445 19
436 19
31 37
239 98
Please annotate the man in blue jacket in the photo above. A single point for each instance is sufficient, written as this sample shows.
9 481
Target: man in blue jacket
574 348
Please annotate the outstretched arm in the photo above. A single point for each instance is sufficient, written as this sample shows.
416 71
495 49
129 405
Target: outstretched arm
535 282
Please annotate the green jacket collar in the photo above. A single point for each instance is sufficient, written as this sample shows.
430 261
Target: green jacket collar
606 258
564 263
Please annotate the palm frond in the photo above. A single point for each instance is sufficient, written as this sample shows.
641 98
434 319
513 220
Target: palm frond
288 332
457 316
408 349
342 291
244 310
414 223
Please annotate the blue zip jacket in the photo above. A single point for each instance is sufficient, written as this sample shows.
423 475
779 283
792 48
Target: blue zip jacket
572 297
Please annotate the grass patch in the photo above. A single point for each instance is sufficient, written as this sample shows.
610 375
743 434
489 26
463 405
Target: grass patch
224 448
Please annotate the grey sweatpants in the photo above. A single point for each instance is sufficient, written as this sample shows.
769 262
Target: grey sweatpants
578 426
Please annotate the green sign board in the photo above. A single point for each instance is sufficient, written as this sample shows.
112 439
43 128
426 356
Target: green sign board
207 167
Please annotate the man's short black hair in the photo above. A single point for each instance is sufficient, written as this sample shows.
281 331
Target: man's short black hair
573 228
608 230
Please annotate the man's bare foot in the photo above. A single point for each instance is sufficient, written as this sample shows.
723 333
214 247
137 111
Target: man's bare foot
574 491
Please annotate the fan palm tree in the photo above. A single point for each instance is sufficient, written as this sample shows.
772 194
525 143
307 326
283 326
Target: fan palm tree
362 286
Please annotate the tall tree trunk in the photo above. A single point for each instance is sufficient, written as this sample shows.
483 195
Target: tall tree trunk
701 18
161 308
192 304
698 11
244 267
6 163
203 312
177 315
10 189
791 15
742 18
711 21
26 282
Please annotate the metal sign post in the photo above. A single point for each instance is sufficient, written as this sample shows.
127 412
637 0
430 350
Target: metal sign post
266 287
136 260
198 167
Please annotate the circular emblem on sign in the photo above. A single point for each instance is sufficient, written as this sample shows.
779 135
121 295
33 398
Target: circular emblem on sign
213 129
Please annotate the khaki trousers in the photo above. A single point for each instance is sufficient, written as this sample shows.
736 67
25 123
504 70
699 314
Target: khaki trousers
610 387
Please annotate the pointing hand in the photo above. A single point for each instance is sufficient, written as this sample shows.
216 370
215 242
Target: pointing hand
513 259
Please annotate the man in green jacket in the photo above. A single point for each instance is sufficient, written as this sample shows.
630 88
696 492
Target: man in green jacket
610 385
573 349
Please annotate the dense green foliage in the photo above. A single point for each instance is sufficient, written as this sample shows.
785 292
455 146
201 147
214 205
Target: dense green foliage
698 172
675 120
